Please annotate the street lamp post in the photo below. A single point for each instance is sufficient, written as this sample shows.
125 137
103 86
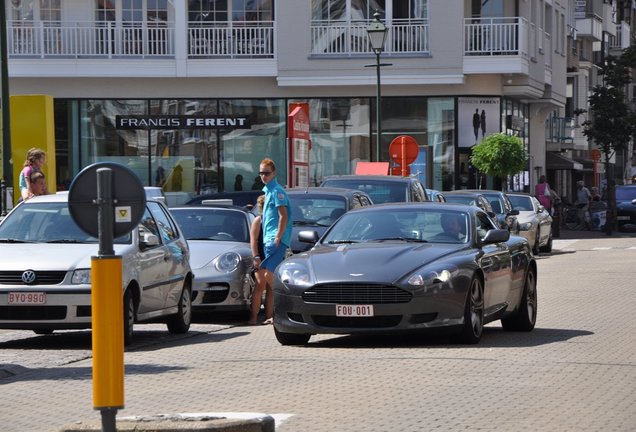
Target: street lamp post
377 36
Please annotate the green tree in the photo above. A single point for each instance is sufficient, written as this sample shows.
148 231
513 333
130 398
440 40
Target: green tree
499 155
611 123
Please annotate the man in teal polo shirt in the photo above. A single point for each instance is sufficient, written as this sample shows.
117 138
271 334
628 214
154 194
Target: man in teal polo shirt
277 221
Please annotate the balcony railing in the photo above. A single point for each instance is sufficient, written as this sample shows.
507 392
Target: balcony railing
231 39
561 129
107 39
403 37
496 36
88 39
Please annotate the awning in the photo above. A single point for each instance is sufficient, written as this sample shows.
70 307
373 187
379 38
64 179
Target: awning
555 161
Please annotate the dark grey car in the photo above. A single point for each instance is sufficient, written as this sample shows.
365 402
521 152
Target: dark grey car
411 266
381 189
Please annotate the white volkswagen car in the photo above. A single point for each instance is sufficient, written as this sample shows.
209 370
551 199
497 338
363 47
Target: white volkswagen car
45 270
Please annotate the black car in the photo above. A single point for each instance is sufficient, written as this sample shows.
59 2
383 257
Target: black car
317 208
502 207
410 266
626 205
381 189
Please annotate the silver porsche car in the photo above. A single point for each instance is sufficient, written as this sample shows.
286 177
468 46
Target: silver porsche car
220 255
405 267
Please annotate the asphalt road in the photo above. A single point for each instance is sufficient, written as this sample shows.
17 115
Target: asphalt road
575 372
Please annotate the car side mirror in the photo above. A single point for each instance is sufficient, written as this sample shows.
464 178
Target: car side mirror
514 212
147 240
308 237
540 209
634 201
492 214
496 236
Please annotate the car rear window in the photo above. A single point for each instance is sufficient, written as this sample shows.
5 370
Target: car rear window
380 192
625 193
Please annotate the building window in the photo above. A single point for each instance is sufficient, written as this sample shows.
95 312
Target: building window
339 27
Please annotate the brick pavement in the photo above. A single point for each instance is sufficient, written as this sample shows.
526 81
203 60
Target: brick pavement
575 372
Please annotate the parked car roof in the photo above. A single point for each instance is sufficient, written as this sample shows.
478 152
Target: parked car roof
381 188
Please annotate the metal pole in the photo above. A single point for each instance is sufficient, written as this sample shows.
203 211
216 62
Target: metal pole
378 107
7 169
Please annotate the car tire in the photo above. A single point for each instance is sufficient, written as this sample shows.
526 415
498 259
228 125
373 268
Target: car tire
525 317
548 247
180 322
536 249
473 314
291 338
129 316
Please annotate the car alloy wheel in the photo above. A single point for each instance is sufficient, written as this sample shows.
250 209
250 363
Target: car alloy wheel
526 316
473 313
180 322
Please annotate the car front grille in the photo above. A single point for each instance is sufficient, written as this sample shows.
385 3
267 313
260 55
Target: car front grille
356 294
42 277
384 321
32 313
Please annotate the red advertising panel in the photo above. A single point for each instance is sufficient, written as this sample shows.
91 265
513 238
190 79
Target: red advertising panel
298 144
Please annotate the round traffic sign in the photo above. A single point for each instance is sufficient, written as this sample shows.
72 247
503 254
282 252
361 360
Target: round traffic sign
595 154
129 199
403 150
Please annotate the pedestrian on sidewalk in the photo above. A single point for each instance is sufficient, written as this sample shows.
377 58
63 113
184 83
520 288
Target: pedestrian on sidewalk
256 243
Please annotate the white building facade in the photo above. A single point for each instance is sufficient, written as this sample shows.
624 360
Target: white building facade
456 71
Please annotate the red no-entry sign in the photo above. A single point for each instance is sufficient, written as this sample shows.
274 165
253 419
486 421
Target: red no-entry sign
403 150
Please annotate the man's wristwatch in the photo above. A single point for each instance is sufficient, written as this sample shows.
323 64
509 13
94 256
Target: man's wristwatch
256 256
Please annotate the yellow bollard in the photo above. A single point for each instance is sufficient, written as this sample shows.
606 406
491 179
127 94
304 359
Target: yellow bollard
108 333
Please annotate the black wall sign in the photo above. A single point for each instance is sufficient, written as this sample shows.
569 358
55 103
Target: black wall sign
181 122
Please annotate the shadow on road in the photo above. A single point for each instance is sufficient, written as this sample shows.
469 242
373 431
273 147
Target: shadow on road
493 337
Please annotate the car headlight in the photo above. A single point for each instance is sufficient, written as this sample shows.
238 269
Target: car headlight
291 273
228 262
81 277
435 278
525 226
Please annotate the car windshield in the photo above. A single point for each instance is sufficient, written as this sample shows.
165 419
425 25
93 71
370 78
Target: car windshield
521 203
46 222
212 224
410 225
379 191
316 210
625 193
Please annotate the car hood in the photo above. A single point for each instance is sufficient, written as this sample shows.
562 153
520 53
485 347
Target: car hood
355 262
204 251
626 206
526 216
50 256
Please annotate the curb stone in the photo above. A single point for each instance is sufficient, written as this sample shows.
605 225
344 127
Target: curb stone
179 423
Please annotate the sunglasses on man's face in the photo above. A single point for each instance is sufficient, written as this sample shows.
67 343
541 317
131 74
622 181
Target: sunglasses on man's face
264 173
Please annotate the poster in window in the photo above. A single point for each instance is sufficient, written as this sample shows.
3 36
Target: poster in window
477 117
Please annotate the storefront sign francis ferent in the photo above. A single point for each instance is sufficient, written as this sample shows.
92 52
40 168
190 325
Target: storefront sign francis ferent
299 144
181 122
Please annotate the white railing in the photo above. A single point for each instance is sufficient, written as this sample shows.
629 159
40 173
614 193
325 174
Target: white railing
403 37
231 39
87 39
108 39
496 36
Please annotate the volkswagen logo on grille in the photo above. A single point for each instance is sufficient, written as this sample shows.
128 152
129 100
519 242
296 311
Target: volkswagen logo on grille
29 277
